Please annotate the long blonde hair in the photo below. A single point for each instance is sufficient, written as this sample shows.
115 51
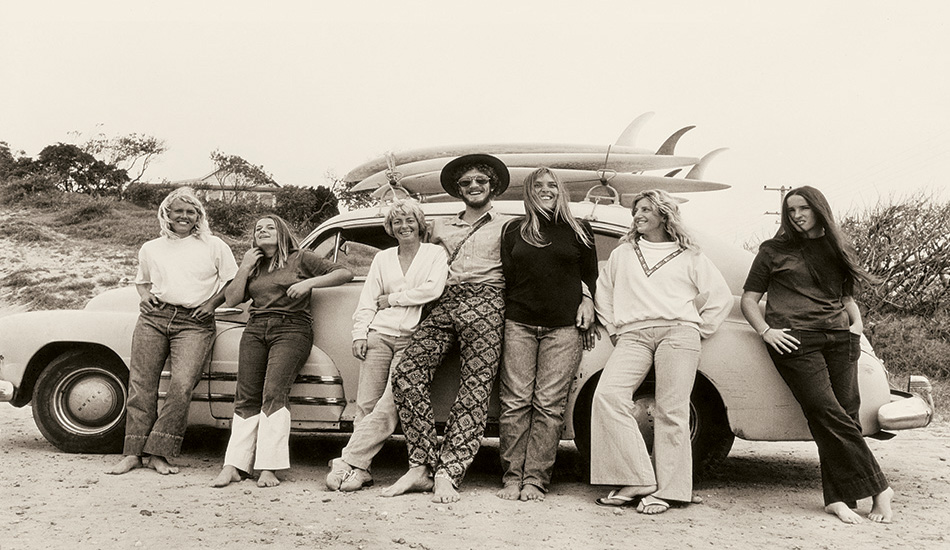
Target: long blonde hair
670 214
286 244
185 195
533 211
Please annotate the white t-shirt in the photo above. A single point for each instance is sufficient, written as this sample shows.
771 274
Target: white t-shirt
185 272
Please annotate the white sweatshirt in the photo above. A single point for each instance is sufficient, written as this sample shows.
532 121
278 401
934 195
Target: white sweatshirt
408 292
627 298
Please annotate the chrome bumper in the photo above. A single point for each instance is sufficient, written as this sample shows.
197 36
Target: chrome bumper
6 391
911 409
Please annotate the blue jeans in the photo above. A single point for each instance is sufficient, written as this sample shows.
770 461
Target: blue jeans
167 332
823 376
274 348
535 377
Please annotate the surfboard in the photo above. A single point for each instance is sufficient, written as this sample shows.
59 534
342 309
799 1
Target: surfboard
379 164
578 183
619 162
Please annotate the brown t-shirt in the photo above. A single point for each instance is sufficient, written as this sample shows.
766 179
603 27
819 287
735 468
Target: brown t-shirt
268 290
795 299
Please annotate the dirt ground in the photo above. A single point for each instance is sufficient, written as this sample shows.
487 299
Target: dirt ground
765 495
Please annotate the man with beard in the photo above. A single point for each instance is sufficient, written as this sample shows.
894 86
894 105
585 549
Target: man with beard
471 311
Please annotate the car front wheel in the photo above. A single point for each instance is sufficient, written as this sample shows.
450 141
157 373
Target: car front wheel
79 402
708 425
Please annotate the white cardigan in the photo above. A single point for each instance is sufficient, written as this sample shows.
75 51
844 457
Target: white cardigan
408 292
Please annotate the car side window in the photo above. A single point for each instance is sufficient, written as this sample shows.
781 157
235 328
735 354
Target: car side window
353 247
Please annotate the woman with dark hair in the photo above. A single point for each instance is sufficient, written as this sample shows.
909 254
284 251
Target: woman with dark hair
658 296
812 328
180 281
278 277
547 257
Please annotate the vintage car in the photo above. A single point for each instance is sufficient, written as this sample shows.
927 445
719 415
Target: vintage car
73 365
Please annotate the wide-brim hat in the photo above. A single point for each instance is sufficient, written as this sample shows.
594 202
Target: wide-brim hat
447 176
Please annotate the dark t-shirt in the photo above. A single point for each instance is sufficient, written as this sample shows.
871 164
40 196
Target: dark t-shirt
268 290
543 285
795 299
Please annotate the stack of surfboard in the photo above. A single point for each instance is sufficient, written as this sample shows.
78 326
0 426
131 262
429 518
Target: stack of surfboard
599 170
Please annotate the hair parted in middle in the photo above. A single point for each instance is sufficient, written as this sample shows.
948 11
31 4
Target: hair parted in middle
669 212
534 211
406 207
187 196
286 243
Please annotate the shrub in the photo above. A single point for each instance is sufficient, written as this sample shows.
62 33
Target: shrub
305 207
233 219
87 210
907 245
25 232
147 195
38 191
912 344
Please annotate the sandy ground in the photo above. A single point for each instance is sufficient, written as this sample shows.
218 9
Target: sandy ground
765 495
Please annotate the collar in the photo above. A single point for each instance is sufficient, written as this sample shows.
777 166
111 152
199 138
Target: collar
457 220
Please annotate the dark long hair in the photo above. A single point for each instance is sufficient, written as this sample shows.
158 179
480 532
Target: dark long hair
854 275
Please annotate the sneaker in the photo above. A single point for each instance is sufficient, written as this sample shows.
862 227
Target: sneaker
339 471
356 479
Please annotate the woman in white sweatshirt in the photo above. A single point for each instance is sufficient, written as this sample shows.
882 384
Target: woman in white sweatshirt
657 296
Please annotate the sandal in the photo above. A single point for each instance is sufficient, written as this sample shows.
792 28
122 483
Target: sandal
651 506
621 500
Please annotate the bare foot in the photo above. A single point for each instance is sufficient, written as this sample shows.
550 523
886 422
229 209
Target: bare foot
444 491
417 480
228 475
160 465
127 464
267 479
844 513
509 492
530 492
881 509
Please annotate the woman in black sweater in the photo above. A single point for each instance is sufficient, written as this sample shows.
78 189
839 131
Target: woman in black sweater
546 256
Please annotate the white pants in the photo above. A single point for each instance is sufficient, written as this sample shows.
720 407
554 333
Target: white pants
261 441
618 452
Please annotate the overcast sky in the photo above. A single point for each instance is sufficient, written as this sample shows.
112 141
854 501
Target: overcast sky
851 97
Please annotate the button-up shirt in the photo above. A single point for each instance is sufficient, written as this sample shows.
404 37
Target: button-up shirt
479 260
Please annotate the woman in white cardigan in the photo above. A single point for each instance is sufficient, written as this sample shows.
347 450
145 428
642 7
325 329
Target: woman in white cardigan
647 297
400 281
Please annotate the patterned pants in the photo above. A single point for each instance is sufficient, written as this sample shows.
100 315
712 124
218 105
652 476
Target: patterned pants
473 314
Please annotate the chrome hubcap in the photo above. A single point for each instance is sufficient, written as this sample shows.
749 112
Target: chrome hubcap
89 401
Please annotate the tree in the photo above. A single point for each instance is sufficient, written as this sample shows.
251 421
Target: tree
75 170
13 165
305 207
236 174
350 200
132 153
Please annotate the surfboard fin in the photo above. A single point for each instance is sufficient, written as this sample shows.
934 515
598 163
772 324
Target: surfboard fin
696 172
629 136
670 144
672 173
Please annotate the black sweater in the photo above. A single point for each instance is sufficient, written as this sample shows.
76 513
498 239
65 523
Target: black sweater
543 285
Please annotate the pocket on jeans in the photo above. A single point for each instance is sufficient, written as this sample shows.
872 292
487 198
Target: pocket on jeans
854 345
684 338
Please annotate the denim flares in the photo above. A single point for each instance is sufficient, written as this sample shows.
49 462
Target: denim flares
474 315
539 365
823 376
274 348
167 332
618 452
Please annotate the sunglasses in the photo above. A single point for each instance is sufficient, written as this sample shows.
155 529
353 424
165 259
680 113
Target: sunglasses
480 180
